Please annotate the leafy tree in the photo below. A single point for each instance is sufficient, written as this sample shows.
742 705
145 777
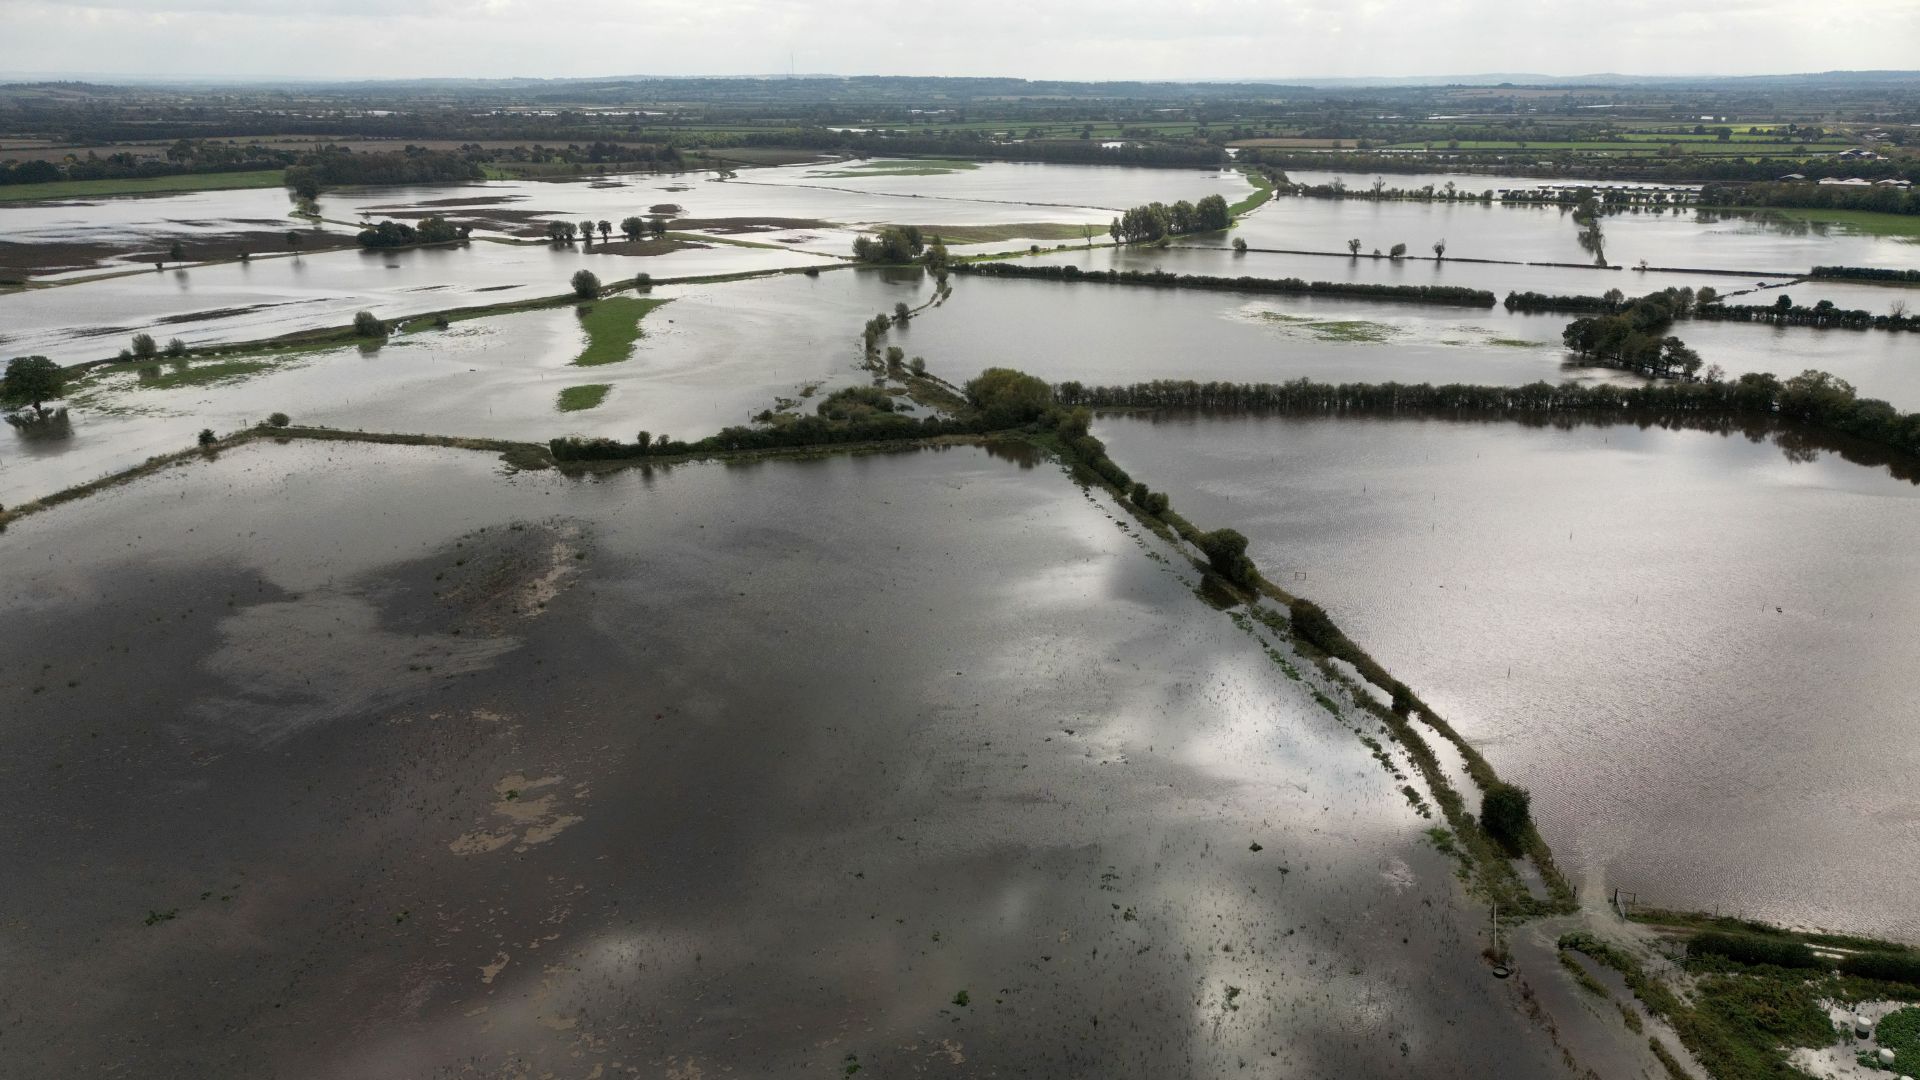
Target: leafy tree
279 420
1226 552
207 437
901 313
293 239
1239 245
936 259
632 227
659 227
1506 813
367 326
1311 624
606 228
561 232
1439 250
586 285
893 244
1211 214
176 252
176 348
1006 397
643 283
1397 251
1353 248
143 346
586 231
31 380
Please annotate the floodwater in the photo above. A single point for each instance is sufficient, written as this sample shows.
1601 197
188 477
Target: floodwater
1108 334
714 356
1697 650
923 763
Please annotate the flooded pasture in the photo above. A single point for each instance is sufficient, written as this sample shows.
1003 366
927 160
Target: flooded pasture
1696 648
924 763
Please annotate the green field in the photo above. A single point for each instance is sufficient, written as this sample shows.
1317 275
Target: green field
1032 230
906 167
1864 222
612 325
575 398
152 185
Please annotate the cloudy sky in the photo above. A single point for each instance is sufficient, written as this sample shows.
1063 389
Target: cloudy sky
1072 39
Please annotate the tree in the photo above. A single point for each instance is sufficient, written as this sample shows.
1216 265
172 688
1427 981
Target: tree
176 252
367 326
143 346
279 420
659 227
1211 214
586 285
1397 251
560 231
207 437
31 380
935 260
901 313
293 240
1007 397
1439 250
632 227
643 283
1239 245
606 228
1506 813
1226 552
1353 248
586 231
176 348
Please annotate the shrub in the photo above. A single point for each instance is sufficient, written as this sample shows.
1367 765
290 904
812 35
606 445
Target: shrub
366 325
586 284
1311 624
643 282
1226 552
1239 245
1885 966
143 346
856 403
1006 397
176 348
1506 813
207 437
279 419
1753 949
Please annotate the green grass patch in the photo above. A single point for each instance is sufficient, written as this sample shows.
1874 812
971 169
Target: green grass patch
146 185
1031 230
913 167
612 325
220 371
1856 222
576 398
1900 1033
1261 193
1356 330
1513 343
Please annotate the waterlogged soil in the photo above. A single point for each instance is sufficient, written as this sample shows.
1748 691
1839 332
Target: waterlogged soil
923 763
1695 648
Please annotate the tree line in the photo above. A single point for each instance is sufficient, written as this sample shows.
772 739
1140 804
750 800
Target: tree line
1706 304
394 234
1866 273
1635 338
342 168
183 157
1156 221
1813 398
1879 198
1452 295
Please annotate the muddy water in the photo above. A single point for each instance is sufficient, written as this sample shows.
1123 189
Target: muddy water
1699 652
743 771
1106 334
714 355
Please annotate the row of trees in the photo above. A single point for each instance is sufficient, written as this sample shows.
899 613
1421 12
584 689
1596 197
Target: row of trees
341 168
1814 398
891 245
1866 273
1156 221
184 156
1453 295
1880 198
1635 338
393 234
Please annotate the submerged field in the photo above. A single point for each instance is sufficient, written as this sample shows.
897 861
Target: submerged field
540 774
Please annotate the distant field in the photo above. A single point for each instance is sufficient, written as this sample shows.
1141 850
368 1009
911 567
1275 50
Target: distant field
1906 226
153 185
1033 230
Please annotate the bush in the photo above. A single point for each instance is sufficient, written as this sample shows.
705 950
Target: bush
365 325
1753 949
1506 813
207 437
1899 1032
1007 398
143 346
856 403
1885 966
1239 245
642 283
1311 624
279 419
176 348
1226 552
586 284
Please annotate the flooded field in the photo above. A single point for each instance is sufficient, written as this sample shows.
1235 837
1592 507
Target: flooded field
1697 649
920 763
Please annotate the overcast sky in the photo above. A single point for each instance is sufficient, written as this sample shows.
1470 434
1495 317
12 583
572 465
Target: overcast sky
1070 39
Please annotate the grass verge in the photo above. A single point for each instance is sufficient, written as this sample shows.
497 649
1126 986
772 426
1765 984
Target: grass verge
577 398
145 185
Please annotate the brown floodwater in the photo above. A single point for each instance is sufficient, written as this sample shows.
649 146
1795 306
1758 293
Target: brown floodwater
331 761
1697 649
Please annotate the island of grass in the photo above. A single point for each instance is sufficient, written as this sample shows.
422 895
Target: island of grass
576 398
902 167
1030 230
612 325
141 185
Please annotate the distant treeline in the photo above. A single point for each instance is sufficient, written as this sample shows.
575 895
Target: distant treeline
182 157
1155 221
1866 273
1452 295
1813 398
968 144
342 168
1706 305
1564 164
1880 198
394 234
806 431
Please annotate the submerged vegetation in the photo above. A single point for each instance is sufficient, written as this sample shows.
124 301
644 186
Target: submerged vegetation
613 326
1451 295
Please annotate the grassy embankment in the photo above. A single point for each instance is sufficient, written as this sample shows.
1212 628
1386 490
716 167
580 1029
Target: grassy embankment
1263 190
146 185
